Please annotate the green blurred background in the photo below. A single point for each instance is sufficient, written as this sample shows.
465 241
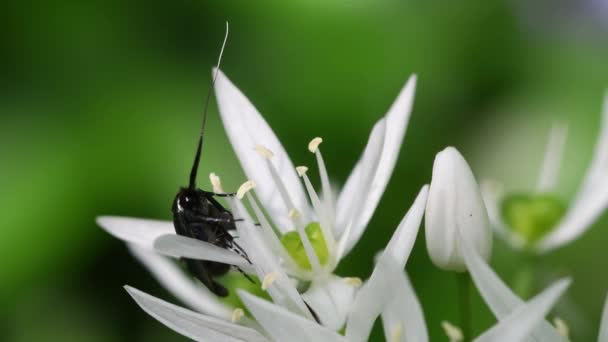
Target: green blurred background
100 107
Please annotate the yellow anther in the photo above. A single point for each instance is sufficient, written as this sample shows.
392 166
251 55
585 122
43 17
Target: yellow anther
216 183
237 314
396 332
264 151
244 188
294 214
453 332
562 327
269 279
353 281
313 145
301 170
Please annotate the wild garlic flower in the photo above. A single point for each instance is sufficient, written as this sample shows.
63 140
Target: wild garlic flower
540 221
343 217
287 317
454 207
387 293
298 245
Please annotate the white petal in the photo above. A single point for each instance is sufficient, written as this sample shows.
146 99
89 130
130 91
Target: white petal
331 299
133 230
370 301
349 209
183 287
246 129
603 335
397 120
596 173
518 325
281 290
191 324
553 156
592 198
184 247
283 325
500 299
402 241
403 314
455 205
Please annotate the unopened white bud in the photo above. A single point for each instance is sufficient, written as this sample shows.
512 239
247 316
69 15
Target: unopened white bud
455 207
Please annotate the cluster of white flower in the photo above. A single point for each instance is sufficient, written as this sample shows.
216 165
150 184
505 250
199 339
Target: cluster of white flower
301 236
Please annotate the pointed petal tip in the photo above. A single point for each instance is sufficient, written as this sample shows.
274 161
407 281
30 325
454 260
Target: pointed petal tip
413 80
104 220
133 292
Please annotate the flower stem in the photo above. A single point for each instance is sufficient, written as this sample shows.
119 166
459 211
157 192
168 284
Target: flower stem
464 297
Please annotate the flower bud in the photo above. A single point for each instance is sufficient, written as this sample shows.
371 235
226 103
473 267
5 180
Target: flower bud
455 206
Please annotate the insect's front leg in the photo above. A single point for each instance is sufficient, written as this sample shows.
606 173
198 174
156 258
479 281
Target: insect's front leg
208 219
223 220
220 194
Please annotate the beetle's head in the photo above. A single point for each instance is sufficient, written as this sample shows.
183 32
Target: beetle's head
190 200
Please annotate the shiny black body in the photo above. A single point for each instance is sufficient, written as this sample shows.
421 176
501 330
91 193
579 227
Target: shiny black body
198 215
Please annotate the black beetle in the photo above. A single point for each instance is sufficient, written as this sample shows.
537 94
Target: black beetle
198 215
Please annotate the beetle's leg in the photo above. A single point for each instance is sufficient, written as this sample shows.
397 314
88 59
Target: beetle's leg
216 219
246 275
314 314
224 194
199 270
220 194
241 220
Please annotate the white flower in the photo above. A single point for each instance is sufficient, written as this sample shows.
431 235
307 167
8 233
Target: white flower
286 318
323 230
455 206
280 191
553 224
388 293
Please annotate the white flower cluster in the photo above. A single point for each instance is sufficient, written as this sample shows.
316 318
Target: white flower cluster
301 236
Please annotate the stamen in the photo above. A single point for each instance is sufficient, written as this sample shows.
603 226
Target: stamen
216 183
237 314
301 170
308 249
269 279
562 327
553 156
294 214
264 151
321 211
453 332
396 332
353 281
313 145
328 197
244 188
271 234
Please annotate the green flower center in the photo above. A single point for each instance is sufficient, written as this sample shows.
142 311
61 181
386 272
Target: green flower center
532 216
235 280
295 247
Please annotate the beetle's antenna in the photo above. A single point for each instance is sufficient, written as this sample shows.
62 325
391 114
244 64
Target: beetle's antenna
199 148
